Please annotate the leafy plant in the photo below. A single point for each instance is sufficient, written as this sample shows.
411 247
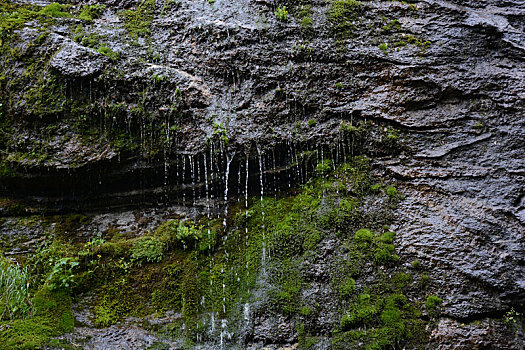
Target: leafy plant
281 13
14 291
62 276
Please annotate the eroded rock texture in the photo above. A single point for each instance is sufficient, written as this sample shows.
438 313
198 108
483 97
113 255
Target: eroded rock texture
115 111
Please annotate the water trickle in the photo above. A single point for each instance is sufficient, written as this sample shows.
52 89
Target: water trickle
192 171
261 174
247 312
226 178
183 180
274 175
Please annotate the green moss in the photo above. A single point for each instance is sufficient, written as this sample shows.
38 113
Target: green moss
363 312
391 26
305 311
106 51
432 305
387 237
147 249
53 316
324 167
55 10
347 289
385 254
138 21
363 236
91 12
342 15
391 191
168 295
115 301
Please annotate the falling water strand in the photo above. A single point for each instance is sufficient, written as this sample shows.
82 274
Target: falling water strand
192 168
226 178
166 160
183 180
274 174
262 210
246 205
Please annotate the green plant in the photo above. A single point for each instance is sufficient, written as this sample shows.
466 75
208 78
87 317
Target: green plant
324 167
393 25
54 10
512 317
363 312
147 249
311 123
91 12
387 237
281 13
106 51
385 254
305 311
138 21
342 16
391 191
347 289
62 276
307 23
14 291
425 280
363 236
432 305
383 47
339 86
219 131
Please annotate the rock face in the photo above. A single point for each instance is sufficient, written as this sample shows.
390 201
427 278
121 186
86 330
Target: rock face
129 109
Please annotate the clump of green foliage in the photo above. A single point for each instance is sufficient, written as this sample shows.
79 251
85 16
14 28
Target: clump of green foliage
147 249
393 25
14 291
61 276
324 167
432 305
52 316
55 10
281 13
342 16
91 12
106 51
363 236
138 21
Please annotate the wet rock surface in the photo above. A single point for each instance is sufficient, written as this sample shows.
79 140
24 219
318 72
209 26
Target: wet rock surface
205 71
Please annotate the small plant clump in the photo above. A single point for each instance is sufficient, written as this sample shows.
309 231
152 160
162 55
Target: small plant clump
342 16
138 21
147 249
15 301
281 13
91 12
432 305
